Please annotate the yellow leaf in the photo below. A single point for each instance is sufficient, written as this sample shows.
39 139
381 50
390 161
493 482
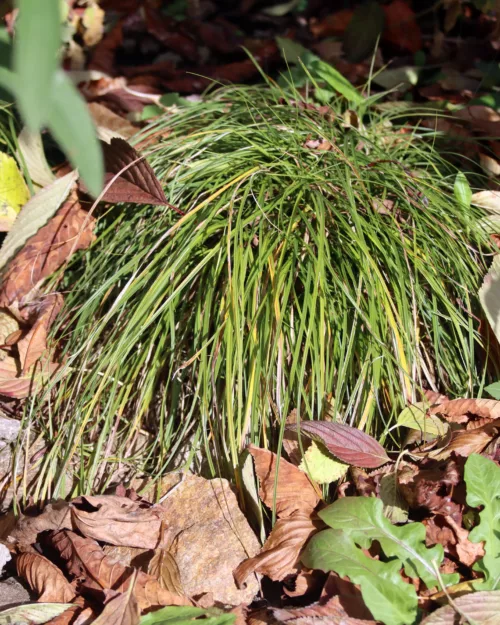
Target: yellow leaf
321 466
13 191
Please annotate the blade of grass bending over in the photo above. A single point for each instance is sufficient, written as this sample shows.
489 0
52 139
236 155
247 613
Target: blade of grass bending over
282 284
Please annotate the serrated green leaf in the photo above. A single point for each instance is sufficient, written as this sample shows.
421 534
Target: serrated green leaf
33 613
462 190
362 518
36 47
493 390
321 466
186 615
71 124
482 477
35 214
415 417
389 598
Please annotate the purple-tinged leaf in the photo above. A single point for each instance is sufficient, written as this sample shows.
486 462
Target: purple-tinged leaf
348 444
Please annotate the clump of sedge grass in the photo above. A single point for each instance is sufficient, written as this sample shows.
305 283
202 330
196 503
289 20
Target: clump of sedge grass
297 276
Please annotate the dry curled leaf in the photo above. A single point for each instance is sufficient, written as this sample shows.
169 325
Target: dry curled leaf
85 558
489 408
280 553
163 567
481 608
117 520
55 516
120 610
70 229
348 444
290 482
467 442
44 578
331 612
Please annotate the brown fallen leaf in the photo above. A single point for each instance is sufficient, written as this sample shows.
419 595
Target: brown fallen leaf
120 610
33 346
55 516
467 552
480 607
290 481
478 407
331 612
163 568
44 578
110 124
467 442
137 183
117 520
348 444
85 558
70 229
280 554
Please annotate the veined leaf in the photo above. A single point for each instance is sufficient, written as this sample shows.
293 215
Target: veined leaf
363 520
415 417
481 608
37 41
389 598
493 390
462 190
36 613
482 477
186 616
320 466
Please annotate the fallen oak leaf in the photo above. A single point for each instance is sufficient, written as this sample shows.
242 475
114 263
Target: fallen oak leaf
44 578
117 520
280 554
348 444
289 482
85 558
136 181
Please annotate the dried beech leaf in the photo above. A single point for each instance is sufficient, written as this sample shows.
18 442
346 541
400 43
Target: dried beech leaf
33 346
117 520
121 610
348 444
69 230
137 183
86 558
44 578
55 516
479 407
331 612
163 567
294 489
280 554
479 607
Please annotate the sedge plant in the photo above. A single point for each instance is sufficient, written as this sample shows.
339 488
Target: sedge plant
322 259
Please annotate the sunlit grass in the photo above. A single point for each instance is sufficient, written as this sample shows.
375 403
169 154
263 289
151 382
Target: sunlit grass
284 285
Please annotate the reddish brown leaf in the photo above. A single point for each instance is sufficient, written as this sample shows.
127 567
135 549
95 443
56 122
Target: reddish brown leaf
401 27
348 444
55 516
280 554
332 25
137 183
294 489
44 578
68 231
332 612
121 610
117 520
489 408
86 558
466 442
14 384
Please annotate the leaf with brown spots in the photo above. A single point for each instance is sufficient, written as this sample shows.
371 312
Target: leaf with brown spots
279 556
294 491
86 558
70 229
44 578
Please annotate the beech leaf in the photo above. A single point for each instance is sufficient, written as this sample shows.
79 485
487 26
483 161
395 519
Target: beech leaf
44 578
482 477
348 444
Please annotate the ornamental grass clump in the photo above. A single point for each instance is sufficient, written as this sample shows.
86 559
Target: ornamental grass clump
321 260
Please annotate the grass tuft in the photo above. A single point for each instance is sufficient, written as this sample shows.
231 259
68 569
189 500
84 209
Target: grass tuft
288 283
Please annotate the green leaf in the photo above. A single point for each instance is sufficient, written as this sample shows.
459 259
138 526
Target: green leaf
362 32
389 598
279 10
338 82
493 390
35 214
482 477
70 123
32 153
462 190
36 46
363 520
291 51
13 191
321 466
33 613
415 417
187 616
